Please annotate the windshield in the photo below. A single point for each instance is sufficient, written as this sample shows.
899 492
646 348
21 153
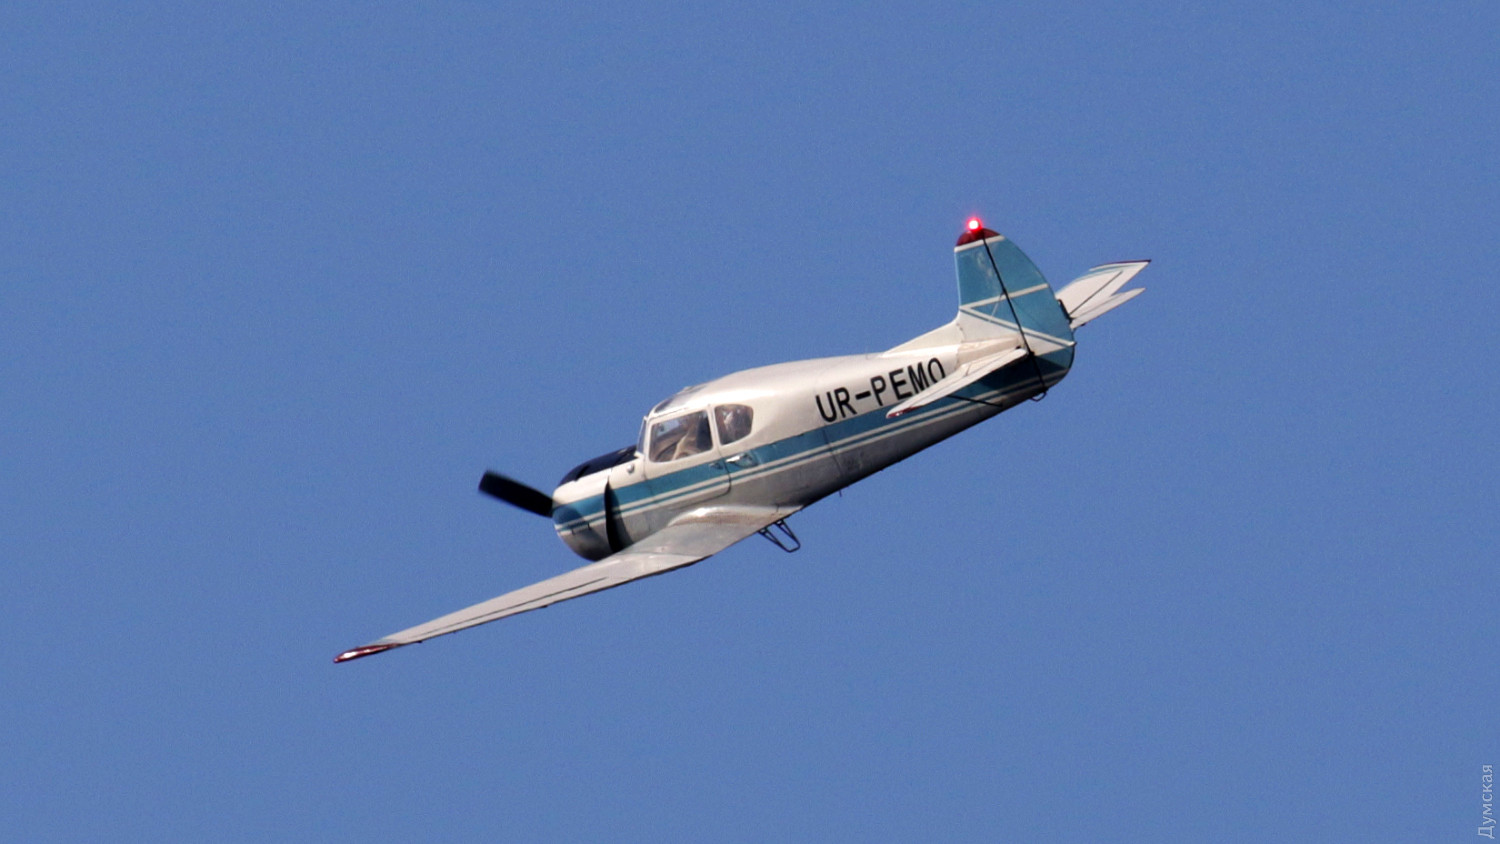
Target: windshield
680 437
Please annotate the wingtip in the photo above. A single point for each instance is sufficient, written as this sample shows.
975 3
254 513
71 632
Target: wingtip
356 653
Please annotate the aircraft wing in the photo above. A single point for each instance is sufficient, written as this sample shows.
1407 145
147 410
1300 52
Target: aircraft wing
690 537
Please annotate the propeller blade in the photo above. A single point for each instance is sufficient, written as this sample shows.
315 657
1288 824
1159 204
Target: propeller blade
519 494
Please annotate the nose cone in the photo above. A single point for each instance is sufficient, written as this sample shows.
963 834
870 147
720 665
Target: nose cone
582 505
585 536
578 515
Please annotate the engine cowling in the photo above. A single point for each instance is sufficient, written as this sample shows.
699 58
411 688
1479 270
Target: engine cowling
584 512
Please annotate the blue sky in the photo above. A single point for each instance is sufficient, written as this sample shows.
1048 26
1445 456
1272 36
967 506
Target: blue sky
280 282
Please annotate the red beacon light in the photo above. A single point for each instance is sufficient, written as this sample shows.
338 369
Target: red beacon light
973 230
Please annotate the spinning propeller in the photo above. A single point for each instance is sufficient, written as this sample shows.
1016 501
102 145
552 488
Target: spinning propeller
516 493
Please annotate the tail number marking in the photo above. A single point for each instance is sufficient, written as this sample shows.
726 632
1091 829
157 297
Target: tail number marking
897 385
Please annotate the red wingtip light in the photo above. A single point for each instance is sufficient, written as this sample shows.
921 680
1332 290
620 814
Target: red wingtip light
973 224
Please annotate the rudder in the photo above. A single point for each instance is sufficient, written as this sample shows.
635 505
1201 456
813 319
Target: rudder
999 287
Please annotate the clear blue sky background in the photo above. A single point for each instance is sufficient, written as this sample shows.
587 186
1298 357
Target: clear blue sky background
278 282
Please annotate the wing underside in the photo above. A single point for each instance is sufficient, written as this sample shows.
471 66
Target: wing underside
688 539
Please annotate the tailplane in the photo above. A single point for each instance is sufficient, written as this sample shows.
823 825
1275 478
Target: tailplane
1097 291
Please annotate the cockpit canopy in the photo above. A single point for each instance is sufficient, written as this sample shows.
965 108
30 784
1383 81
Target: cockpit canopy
689 434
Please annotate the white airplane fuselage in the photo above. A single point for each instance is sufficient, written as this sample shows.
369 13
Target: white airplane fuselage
817 426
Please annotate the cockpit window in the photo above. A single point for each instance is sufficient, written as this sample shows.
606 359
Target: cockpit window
680 437
734 422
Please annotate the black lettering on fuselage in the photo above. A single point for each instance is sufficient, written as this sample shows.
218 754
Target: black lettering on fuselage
898 382
918 376
845 408
839 403
832 413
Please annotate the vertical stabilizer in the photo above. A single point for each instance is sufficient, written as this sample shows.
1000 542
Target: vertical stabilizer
1002 294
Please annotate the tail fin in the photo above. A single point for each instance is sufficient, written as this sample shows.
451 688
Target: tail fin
1001 294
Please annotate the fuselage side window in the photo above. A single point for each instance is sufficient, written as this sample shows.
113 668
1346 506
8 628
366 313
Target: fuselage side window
680 437
734 422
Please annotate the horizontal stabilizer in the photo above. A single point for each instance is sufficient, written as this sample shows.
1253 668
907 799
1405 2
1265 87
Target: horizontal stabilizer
961 377
1097 291
1098 309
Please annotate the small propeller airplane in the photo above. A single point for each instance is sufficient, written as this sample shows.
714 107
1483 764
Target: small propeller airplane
722 461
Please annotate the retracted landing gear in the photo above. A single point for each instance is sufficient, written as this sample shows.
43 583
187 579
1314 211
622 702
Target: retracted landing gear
785 536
